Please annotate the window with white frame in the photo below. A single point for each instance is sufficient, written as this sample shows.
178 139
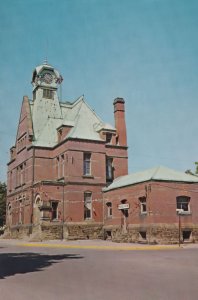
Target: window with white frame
183 204
142 202
87 164
109 209
87 205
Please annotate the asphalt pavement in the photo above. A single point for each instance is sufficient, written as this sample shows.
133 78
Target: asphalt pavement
97 270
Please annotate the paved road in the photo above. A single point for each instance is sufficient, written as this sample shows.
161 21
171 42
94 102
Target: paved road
82 273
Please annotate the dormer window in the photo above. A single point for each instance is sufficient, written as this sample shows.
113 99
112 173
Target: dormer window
108 138
48 94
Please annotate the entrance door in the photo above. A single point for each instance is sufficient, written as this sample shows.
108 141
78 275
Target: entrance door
37 212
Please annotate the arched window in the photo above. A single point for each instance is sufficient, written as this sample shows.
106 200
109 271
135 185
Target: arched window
38 200
9 207
63 165
37 213
9 213
109 169
125 207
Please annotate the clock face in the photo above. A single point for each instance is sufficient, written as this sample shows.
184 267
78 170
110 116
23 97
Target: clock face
47 77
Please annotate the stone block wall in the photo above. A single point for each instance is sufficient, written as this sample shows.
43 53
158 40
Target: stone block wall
77 231
51 231
19 232
152 234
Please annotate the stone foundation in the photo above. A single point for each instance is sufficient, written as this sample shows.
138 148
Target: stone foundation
18 232
153 234
53 231
76 231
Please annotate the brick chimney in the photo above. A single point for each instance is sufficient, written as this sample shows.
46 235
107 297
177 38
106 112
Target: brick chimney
120 125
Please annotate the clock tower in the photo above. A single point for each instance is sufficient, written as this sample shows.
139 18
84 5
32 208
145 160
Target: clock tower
45 77
45 82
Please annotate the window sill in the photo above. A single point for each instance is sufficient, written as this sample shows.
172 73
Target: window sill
185 213
21 149
143 213
19 186
88 176
61 179
109 180
44 218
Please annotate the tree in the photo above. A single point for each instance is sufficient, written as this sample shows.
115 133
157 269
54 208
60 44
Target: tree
2 203
196 171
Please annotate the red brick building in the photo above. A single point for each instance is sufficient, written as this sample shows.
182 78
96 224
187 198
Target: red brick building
157 205
68 177
63 156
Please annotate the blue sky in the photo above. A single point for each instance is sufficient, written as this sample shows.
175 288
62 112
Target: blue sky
144 51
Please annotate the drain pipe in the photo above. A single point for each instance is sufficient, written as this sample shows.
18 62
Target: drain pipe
33 174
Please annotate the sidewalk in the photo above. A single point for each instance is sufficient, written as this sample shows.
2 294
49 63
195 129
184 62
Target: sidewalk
94 244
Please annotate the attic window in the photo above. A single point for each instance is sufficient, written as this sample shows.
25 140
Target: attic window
48 94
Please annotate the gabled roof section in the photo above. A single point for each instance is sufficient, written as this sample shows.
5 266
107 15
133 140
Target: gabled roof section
78 115
104 127
25 120
157 174
85 119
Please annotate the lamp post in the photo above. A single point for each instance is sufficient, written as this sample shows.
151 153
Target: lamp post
179 212
63 209
179 229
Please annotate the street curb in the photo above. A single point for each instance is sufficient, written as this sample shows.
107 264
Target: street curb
94 247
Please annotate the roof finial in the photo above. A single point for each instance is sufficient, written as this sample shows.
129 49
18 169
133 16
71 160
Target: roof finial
45 61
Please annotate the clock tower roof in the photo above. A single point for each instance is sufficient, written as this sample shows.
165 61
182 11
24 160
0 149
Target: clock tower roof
46 74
